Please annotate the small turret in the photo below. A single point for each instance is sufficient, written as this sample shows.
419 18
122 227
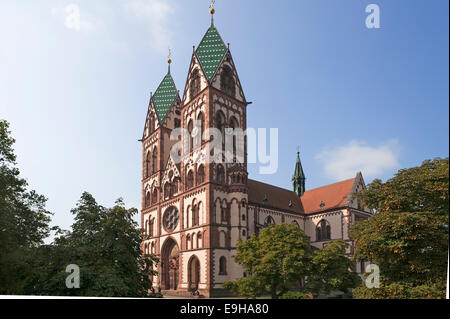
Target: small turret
298 179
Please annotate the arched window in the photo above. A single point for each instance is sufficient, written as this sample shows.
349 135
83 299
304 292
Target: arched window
190 179
147 165
220 174
220 124
154 195
223 214
195 217
222 266
323 230
195 83
188 241
151 227
201 129
188 213
200 175
227 82
153 248
199 240
147 199
191 138
234 125
175 185
192 241
167 190
154 160
151 124
268 221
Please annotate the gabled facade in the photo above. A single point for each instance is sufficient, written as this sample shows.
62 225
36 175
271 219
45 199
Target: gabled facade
194 212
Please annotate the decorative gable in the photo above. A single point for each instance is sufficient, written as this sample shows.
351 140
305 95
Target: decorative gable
171 171
196 80
151 121
227 80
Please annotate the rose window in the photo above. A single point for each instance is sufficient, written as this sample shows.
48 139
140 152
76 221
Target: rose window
171 218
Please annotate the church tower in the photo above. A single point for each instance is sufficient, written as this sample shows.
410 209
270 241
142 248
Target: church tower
195 209
298 179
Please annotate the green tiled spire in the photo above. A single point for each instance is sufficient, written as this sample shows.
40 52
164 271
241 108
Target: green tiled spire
298 180
211 51
164 96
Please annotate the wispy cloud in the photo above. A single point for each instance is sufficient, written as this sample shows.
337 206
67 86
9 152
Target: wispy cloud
155 14
72 17
344 161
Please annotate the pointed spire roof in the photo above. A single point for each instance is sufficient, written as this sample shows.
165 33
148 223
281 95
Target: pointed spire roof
211 51
298 173
165 96
298 180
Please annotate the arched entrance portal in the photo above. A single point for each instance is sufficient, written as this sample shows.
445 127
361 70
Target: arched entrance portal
170 265
193 273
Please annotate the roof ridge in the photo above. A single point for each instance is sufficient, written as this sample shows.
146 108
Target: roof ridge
285 189
346 180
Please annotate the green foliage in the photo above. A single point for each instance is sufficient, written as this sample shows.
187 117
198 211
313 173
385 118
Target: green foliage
409 247
408 237
248 287
418 189
105 244
330 270
296 295
24 221
400 290
274 260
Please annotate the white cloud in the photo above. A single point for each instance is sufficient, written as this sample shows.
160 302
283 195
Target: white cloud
343 162
154 13
71 17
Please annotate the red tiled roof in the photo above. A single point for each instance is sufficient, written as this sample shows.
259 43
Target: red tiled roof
326 197
315 200
278 198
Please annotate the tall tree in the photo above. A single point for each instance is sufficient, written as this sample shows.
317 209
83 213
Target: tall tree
106 245
408 236
24 221
274 261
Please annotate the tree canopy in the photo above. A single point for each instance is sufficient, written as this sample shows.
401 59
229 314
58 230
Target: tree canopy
24 220
106 246
273 260
279 259
418 189
408 236
329 271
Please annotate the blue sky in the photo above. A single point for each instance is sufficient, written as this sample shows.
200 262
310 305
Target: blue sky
76 90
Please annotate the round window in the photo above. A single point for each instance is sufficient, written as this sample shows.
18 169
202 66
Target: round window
170 218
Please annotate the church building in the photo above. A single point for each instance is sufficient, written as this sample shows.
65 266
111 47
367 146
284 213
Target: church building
195 211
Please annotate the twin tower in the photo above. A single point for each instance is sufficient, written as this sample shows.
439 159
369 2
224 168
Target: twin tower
194 211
